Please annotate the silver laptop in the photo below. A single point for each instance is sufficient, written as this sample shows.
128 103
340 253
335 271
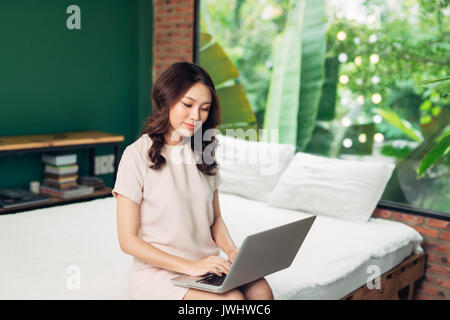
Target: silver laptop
260 254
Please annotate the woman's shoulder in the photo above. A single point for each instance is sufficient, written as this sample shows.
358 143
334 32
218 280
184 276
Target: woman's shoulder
140 147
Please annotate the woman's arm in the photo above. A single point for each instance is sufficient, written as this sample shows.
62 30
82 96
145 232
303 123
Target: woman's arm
219 230
130 243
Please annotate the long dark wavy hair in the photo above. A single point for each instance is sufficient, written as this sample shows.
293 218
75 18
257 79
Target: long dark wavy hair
167 90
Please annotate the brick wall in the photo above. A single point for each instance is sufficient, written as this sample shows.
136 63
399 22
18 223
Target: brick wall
436 234
173 37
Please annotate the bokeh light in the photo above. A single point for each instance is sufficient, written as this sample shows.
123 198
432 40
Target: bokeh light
377 118
346 122
378 137
374 58
341 35
347 143
360 100
344 79
376 98
362 138
342 57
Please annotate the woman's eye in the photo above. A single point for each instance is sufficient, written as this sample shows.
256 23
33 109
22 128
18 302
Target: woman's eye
189 105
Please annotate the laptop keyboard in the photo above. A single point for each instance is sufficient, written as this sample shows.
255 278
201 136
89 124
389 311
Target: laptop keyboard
213 279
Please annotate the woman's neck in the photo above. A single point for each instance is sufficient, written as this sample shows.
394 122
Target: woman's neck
173 139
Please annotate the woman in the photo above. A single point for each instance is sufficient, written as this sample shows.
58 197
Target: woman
168 212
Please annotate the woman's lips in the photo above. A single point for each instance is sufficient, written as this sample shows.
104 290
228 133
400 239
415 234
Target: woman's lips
189 125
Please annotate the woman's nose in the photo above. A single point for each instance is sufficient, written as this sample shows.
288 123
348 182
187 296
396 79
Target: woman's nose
195 114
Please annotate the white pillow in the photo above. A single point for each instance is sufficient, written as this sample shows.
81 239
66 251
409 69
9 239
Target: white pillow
251 168
343 189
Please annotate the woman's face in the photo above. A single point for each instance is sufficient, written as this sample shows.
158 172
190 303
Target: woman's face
192 108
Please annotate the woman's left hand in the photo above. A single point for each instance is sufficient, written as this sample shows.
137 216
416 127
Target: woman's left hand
232 254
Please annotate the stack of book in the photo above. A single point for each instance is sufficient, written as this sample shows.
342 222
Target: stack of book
95 182
60 176
11 198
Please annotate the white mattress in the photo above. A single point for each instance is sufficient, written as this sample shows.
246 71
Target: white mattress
38 248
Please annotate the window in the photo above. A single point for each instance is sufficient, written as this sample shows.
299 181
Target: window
341 78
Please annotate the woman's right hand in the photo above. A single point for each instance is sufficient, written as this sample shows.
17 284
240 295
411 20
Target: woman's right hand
211 264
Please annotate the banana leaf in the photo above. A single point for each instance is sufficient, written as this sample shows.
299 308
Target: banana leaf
205 39
327 104
236 111
321 141
219 66
284 90
441 148
235 106
442 88
440 85
433 81
312 74
405 126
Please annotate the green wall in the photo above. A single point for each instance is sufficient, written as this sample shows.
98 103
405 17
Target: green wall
55 80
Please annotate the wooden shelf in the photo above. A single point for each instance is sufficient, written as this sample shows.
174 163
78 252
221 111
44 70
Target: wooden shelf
101 193
58 140
66 141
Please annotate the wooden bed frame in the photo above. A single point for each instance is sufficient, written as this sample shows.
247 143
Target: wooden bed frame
397 283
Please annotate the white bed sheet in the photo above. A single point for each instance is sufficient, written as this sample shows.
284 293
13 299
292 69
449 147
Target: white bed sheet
43 250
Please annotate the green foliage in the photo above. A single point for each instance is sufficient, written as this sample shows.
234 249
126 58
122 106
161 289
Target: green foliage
327 104
236 110
247 33
283 98
440 85
363 145
439 150
312 75
403 125
407 42
322 139
298 75
399 149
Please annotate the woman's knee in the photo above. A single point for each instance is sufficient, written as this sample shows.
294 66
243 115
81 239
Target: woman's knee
258 290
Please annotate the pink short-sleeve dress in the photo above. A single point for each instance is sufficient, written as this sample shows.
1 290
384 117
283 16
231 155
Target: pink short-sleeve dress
176 213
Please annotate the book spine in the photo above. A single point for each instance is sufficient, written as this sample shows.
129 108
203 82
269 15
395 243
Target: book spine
67 194
51 191
59 160
59 178
60 171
